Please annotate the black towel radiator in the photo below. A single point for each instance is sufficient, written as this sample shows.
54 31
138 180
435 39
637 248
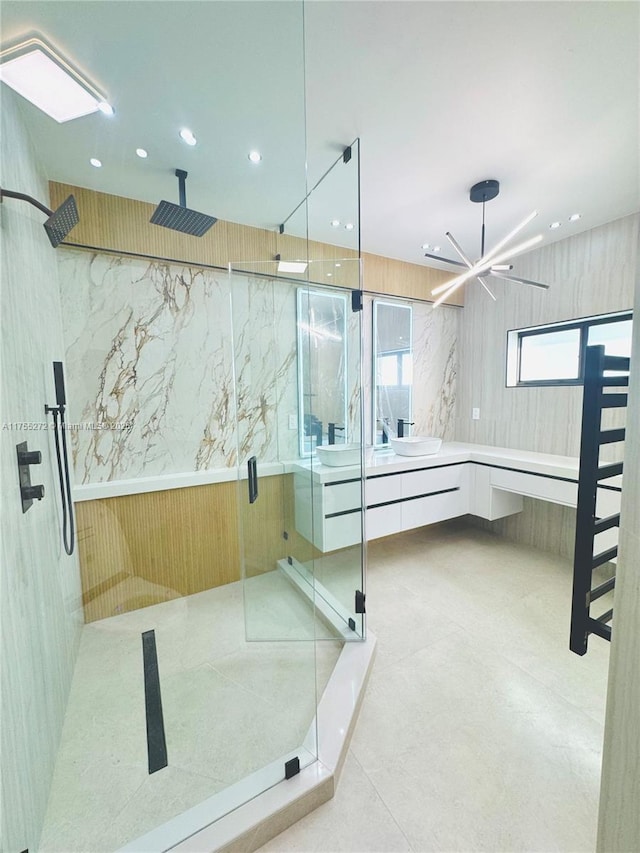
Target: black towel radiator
588 524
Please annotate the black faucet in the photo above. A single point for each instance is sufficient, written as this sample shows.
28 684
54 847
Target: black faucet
331 432
402 423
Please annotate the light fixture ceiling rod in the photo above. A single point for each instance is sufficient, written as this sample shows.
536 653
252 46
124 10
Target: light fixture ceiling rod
484 198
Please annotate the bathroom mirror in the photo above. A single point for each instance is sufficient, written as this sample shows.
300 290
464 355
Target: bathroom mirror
322 368
392 369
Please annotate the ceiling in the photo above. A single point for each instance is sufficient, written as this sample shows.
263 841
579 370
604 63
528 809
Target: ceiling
542 96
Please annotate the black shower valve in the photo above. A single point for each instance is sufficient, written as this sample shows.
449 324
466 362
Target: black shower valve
29 457
33 493
26 458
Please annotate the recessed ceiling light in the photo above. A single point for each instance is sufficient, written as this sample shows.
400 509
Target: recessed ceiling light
141 153
106 108
436 248
338 265
35 71
95 162
426 246
255 156
188 136
335 223
329 274
555 224
292 266
574 217
349 226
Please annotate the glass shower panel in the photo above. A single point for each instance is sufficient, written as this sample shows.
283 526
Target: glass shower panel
334 351
279 602
142 629
330 343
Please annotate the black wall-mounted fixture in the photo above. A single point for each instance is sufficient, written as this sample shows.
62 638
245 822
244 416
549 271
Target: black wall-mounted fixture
60 221
60 436
26 458
178 217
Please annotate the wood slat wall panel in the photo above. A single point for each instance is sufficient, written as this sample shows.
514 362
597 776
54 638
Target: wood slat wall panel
139 550
398 278
116 224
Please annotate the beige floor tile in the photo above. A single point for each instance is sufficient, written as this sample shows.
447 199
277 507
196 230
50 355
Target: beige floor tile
479 729
356 820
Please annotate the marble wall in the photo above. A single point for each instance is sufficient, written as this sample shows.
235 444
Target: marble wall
619 818
155 353
589 273
40 599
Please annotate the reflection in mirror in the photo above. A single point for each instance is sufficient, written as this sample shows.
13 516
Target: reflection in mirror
322 369
392 370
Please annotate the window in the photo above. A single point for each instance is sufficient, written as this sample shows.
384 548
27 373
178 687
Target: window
392 367
554 354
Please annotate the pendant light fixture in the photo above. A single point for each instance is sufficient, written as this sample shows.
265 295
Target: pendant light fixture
492 264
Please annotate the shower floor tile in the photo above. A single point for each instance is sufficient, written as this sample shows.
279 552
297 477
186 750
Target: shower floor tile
229 707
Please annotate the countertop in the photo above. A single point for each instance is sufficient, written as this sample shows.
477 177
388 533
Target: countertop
380 462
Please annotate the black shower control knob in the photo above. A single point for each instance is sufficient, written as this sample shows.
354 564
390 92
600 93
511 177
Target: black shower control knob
29 457
34 493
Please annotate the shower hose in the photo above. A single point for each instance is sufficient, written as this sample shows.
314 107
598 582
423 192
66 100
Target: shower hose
68 528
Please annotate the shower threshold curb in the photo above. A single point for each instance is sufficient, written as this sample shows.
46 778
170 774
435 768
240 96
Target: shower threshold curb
245 827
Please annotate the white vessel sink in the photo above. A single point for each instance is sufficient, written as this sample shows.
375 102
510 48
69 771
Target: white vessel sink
416 445
338 455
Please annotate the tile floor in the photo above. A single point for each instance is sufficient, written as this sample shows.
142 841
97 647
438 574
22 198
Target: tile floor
229 708
480 731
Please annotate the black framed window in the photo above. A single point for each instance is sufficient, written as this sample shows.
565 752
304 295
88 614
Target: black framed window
554 354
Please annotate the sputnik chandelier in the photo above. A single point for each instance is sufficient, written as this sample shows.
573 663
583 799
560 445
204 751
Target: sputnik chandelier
492 264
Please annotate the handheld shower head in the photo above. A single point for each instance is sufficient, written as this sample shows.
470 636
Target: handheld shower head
60 221
178 217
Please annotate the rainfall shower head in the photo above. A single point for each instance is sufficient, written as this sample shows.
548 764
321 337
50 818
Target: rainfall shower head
60 221
179 217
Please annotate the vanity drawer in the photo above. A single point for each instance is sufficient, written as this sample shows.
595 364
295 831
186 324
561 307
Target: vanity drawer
432 480
434 508
342 531
383 521
534 486
341 497
379 490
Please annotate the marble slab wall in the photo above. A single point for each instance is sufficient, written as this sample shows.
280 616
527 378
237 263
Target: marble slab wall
155 353
40 606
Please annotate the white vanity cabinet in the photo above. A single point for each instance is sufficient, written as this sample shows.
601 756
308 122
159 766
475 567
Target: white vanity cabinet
402 493
329 513
414 498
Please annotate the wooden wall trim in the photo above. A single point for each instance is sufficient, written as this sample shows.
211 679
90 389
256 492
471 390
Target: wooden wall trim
112 223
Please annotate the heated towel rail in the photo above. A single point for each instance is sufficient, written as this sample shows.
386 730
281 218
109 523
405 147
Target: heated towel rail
597 397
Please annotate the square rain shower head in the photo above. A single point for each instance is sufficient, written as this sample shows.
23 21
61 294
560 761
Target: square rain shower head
62 221
182 219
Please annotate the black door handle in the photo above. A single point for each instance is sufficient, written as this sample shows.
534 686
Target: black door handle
252 470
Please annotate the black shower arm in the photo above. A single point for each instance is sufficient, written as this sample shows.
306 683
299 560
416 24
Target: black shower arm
24 197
